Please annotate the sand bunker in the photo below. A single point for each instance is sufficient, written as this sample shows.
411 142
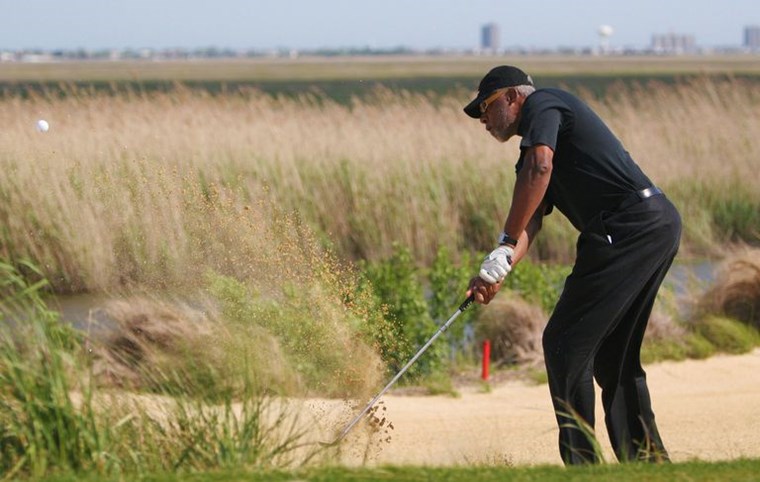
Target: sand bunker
706 410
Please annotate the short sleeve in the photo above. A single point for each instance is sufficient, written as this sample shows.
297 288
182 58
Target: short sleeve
542 128
544 115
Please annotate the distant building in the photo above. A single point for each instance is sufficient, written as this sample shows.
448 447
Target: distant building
489 37
605 32
752 37
673 43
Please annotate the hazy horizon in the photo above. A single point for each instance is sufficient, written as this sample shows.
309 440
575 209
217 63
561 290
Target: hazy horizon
305 25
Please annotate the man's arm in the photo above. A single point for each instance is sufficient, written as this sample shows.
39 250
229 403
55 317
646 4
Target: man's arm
525 214
484 292
529 234
530 189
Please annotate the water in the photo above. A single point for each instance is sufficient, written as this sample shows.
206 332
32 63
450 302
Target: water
691 278
85 312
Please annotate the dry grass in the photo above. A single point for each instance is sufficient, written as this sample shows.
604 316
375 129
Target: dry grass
736 291
515 329
144 331
152 190
110 201
171 347
698 129
207 347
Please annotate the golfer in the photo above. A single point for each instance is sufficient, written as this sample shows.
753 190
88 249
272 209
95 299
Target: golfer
629 234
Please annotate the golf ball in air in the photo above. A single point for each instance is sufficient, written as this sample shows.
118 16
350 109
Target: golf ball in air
42 125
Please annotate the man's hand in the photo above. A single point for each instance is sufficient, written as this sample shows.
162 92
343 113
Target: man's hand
497 265
484 292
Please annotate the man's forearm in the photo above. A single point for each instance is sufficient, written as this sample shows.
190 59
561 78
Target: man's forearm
528 235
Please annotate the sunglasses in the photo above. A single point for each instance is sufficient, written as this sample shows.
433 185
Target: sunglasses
496 94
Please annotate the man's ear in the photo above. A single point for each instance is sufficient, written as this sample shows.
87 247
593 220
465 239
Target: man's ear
511 95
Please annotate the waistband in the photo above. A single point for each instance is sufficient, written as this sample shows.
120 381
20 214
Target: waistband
638 196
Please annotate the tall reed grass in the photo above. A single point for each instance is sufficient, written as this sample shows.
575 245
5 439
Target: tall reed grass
148 189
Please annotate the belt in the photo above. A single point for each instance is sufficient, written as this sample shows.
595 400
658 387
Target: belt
638 196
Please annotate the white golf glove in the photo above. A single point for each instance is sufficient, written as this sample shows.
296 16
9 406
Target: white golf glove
497 265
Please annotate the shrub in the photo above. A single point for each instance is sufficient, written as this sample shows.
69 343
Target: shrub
540 283
727 335
513 325
689 345
398 285
515 329
170 347
736 291
448 283
323 342
699 347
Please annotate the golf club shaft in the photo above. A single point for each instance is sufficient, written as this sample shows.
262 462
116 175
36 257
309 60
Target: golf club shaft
443 328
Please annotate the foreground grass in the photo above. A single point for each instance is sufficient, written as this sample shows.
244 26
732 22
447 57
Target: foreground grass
741 470
67 405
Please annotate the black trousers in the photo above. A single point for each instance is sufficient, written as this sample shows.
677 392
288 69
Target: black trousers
597 328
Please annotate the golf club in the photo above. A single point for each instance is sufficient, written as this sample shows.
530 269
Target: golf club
466 303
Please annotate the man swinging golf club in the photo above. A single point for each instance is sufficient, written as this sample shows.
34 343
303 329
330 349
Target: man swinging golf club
629 235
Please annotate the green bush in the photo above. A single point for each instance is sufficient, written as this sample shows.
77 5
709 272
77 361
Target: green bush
699 347
540 283
704 337
398 284
307 328
693 345
727 335
448 284
414 316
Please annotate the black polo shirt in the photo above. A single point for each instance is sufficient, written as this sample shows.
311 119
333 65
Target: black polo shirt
592 171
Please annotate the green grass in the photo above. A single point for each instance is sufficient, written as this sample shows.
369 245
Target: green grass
705 336
735 471
716 211
342 78
728 335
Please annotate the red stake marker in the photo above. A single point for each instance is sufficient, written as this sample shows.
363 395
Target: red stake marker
486 358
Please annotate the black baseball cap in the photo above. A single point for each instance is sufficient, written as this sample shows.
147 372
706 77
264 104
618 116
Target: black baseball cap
497 78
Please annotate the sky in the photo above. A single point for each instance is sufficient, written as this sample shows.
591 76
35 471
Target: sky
416 24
